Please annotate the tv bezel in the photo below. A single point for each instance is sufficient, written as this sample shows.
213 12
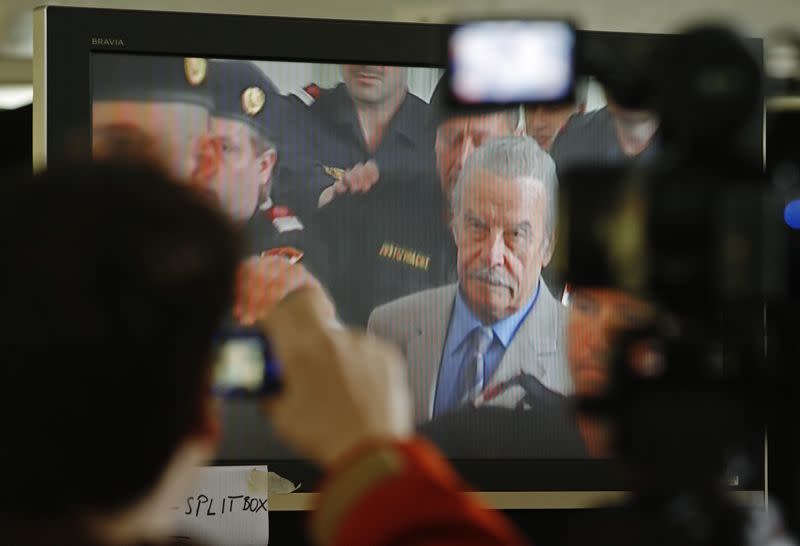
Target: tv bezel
65 38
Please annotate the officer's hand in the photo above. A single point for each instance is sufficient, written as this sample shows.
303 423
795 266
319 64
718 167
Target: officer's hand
341 388
360 178
262 282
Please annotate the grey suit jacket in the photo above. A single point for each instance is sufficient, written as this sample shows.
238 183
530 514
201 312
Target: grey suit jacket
418 325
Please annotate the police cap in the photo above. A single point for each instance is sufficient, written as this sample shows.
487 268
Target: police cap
242 92
150 78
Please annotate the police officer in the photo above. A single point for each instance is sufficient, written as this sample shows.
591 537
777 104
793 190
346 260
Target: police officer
248 112
460 130
611 136
379 208
366 131
395 239
151 107
545 121
247 122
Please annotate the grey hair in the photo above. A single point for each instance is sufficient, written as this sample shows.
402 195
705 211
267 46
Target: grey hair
513 117
582 91
513 158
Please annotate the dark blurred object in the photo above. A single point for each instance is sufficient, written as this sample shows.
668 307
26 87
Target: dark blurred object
783 315
709 85
688 231
693 82
681 420
501 433
542 426
17 149
685 429
639 523
686 387
115 279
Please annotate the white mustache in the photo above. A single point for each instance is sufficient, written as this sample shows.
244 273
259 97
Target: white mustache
496 277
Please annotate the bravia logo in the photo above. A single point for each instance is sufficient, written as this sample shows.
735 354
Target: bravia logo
108 42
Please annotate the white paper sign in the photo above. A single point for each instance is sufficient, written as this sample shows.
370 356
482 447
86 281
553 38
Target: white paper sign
228 505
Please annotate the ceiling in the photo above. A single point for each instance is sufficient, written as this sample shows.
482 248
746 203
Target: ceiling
753 17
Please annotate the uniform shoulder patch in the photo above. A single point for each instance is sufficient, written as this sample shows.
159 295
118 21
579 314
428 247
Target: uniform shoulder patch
287 223
308 94
283 219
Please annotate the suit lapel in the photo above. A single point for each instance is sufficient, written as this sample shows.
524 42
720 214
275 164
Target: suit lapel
426 343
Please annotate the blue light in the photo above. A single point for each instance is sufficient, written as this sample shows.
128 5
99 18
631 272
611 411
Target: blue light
791 214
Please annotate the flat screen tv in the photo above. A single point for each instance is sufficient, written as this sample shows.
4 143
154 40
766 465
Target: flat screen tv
327 141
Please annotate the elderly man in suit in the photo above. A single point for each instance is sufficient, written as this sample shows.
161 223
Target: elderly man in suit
472 341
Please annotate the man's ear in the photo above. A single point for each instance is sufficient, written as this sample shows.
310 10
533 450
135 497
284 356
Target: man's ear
454 228
266 164
208 159
548 249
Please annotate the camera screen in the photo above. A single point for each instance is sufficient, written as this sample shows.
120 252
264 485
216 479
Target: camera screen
512 61
239 365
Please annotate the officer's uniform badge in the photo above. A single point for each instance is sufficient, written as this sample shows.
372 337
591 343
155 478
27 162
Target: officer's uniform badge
334 172
309 94
195 69
409 257
253 99
313 90
289 253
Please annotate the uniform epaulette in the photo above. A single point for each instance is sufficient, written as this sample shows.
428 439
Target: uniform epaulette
283 219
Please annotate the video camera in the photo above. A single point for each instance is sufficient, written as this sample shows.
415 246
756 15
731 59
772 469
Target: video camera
704 232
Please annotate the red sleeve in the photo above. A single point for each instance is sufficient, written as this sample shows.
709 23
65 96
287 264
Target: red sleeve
405 494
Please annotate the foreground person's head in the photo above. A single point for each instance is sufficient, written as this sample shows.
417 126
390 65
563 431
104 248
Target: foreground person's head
115 280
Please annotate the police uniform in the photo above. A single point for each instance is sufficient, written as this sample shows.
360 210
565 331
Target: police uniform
394 240
327 140
382 245
145 78
388 242
243 93
590 140
275 227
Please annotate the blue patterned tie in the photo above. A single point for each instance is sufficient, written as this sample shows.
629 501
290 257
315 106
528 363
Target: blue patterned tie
471 379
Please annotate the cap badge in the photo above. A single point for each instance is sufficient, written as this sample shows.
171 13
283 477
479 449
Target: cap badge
334 172
195 69
253 99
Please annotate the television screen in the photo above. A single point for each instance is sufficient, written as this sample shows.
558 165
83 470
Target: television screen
432 227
